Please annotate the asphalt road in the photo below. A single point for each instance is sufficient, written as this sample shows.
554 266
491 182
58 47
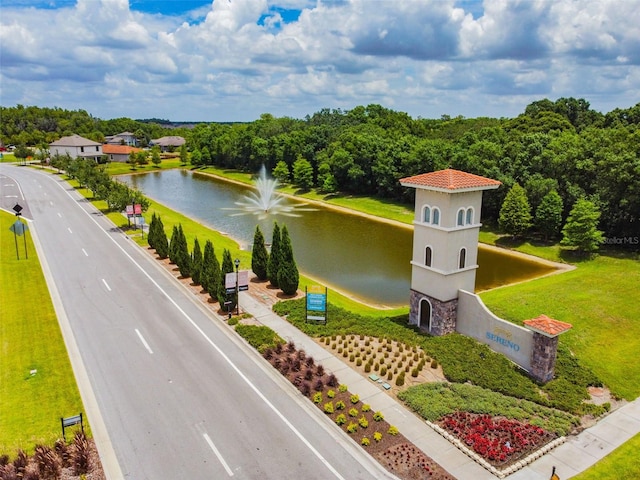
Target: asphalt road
177 396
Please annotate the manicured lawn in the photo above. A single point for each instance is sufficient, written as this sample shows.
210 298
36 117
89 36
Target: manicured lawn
620 464
599 299
30 339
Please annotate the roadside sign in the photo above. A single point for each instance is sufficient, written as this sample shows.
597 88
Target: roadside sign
19 228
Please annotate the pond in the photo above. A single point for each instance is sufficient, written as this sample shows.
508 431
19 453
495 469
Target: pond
361 257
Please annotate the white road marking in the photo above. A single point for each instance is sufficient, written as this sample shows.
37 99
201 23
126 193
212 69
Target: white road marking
11 196
144 342
215 450
106 284
59 214
273 408
69 228
85 252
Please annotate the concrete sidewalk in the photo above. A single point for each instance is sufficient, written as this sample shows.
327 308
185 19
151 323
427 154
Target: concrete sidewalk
575 455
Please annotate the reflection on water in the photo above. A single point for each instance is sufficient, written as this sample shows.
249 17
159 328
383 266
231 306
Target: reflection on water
368 259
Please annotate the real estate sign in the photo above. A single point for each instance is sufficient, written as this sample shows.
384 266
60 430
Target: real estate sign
316 303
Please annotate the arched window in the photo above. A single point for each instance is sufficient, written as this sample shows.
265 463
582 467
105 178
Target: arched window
463 258
460 217
428 253
469 216
426 217
436 216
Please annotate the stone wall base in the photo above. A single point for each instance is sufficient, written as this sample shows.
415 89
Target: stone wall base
443 314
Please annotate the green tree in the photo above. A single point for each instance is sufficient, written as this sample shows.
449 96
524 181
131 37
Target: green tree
515 214
581 228
288 275
174 245
21 153
275 259
132 160
196 263
281 172
226 267
162 244
549 215
183 259
153 231
210 271
184 156
196 158
259 255
155 156
303 173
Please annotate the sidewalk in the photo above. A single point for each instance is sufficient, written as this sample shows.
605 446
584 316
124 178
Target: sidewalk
570 458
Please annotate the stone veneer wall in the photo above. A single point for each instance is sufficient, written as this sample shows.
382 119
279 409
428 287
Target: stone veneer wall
443 314
543 360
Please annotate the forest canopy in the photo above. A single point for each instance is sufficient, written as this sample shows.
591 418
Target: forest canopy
562 146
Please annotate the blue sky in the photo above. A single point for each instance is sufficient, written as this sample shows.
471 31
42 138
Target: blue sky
233 60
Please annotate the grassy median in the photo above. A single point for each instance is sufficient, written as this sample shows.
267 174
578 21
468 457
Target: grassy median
37 384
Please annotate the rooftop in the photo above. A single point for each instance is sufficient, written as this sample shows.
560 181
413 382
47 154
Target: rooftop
118 149
74 141
450 181
547 326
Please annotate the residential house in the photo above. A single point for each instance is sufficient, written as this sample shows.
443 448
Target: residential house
124 138
118 153
168 144
76 146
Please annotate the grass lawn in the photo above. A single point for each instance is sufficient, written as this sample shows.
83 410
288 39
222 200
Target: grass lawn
599 298
30 339
620 464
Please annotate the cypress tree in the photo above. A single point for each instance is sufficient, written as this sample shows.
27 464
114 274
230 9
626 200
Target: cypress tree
275 258
210 271
196 263
162 244
153 227
173 244
227 267
183 257
288 276
259 255
549 214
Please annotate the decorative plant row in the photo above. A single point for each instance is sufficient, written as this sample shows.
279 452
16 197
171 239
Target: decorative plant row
382 440
498 440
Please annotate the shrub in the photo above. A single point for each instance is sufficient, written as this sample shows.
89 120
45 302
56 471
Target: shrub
233 321
340 405
363 422
415 372
317 397
305 388
378 416
377 436
80 454
353 412
352 358
390 375
367 367
352 427
341 419
333 346
331 393
260 337
342 388
291 347
308 374
319 385
400 379
49 465
328 407
354 399
383 370
320 370
393 430
365 442
434 364
332 381
366 407
359 362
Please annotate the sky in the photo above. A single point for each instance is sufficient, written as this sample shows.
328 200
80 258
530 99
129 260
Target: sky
234 60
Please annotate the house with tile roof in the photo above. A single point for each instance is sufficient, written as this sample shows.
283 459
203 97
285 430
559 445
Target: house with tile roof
76 147
124 138
168 144
442 298
118 153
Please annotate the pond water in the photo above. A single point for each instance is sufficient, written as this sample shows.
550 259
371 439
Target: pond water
364 258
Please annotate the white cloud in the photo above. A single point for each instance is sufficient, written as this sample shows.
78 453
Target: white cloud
428 57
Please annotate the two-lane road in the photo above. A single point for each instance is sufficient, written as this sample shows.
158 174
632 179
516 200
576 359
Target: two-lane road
178 394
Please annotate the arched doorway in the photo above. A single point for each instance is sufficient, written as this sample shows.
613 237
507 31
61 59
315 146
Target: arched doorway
424 318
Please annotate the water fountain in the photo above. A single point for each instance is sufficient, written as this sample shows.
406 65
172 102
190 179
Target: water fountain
266 200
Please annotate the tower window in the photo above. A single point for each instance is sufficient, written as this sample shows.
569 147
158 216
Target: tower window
428 253
427 215
469 216
436 216
463 258
460 217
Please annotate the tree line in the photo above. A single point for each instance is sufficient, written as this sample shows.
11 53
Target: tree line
204 268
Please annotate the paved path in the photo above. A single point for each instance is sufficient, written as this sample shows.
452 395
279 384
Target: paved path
575 455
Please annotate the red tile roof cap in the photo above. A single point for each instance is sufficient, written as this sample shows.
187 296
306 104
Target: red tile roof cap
547 326
450 180
118 149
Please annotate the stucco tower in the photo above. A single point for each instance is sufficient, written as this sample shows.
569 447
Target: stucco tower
445 244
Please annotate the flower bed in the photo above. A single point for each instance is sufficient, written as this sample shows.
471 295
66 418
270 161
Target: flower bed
499 441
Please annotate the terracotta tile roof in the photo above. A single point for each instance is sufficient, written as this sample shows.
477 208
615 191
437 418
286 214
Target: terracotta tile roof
450 180
109 149
547 326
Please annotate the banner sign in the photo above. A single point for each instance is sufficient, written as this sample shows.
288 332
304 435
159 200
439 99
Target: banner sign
316 303
243 280
230 282
134 209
